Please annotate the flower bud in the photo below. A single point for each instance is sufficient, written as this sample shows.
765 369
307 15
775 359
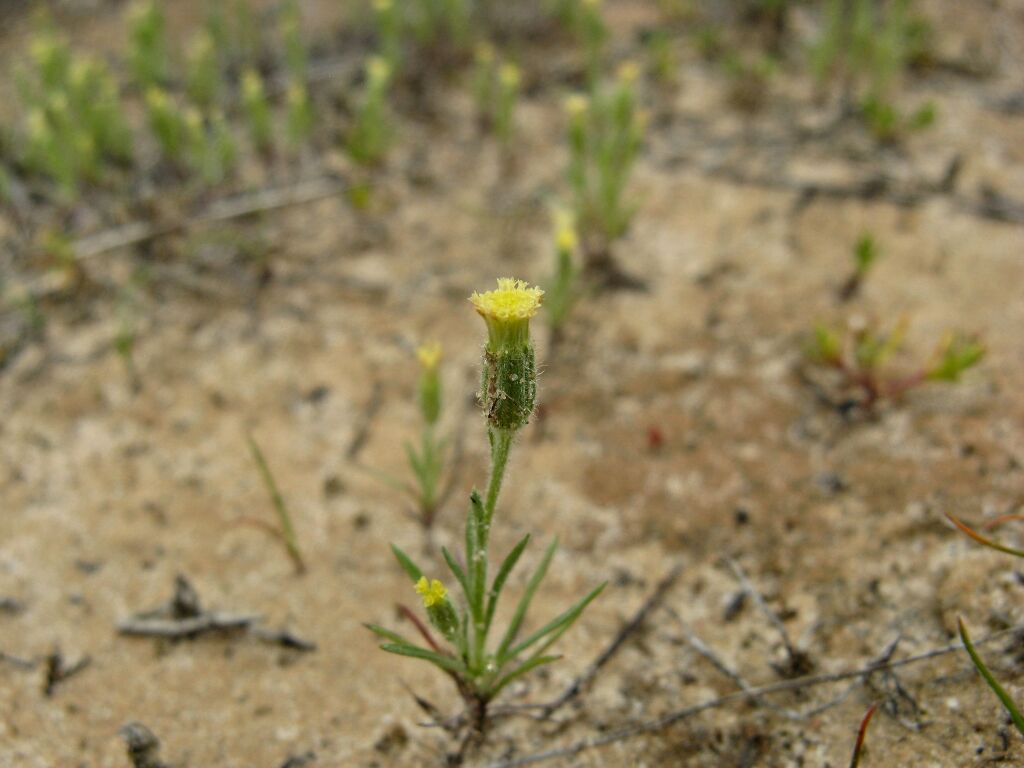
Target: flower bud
430 382
439 607
508 387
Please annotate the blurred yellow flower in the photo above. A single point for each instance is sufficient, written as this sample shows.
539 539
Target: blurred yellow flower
432 592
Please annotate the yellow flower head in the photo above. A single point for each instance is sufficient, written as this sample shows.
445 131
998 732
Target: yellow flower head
378 71
566 238
432 592
509 76
507 312
429 355
511 301
296 95
629 72
382 6
156 99
576 106
252 86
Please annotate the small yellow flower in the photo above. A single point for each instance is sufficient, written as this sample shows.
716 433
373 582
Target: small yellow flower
156 99
432 592
252 86
513 300
576 106
382 6
509 76
377 70
429 355
628 72
566 238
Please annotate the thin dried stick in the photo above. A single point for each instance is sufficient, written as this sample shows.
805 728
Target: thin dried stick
576 687
671 718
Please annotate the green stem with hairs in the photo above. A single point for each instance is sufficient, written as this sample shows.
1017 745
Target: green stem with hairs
501 442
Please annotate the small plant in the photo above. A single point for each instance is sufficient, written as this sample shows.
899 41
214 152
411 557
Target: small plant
257 112
861 356
284 531
592 34
168 125
604 137
74 117
480 669
562 293
427 462
202 77
865 255
210 146
296 58
147 46
300 114
495 91
440 23
371 133
867 45
389 32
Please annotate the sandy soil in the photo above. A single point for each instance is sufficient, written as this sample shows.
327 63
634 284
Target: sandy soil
108 493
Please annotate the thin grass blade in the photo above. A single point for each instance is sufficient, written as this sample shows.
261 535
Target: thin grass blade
997 689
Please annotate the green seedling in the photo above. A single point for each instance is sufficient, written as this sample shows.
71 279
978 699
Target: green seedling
427 461
592 35
867 45
861 356
371 134
562 291
388 24
257 112
284 531
496 91
74 120
865 255
604 137
168 126
203 75
300 115
211 151
479 668
509 81
147 44
296 57
485 73
440 23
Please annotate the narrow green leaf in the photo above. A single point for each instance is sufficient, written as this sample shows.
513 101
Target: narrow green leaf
502 577
524 601
387 634
521 670
1004 697
407 565
444 662
477 565
456 570
558 625
414 460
